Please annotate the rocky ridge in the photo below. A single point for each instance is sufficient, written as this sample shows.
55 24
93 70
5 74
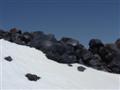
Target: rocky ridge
105 57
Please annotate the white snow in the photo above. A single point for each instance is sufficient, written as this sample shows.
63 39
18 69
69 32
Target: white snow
53 75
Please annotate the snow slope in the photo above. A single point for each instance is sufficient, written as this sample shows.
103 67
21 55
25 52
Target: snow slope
53 75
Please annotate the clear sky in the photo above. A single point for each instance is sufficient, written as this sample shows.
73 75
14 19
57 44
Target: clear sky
80 19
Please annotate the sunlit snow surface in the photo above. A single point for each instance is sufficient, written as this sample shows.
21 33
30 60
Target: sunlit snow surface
53 75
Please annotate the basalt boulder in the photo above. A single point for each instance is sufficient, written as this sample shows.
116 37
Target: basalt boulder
95 45
68 59
26 38
69 41
86 55
96 62
41 40
81 68
8 58
61 54
32 77
114 63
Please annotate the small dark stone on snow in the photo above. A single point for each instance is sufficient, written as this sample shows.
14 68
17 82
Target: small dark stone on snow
70 65
8 58
32 77
81 68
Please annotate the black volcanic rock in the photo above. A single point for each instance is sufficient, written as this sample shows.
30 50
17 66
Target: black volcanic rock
81 68
69 59
86 55
32 77
95 45
114 58
69 41
42 41
96 62
8 58
100 56
26 37
70 65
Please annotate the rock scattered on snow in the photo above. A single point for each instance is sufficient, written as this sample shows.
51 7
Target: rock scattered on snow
70 65
8 58
32 77
81 68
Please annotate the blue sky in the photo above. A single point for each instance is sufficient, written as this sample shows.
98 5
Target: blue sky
80 19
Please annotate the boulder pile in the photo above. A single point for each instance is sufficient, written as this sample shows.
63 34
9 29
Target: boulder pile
67 50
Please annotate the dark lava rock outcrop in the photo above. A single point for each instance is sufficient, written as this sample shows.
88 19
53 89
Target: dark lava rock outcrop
100 56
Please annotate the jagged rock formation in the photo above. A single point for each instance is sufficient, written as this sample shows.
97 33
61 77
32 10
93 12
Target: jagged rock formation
100 56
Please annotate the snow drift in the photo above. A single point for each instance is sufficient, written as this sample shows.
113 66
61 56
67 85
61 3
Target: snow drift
53 75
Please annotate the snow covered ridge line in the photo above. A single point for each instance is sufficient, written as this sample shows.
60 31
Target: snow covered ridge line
105 57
